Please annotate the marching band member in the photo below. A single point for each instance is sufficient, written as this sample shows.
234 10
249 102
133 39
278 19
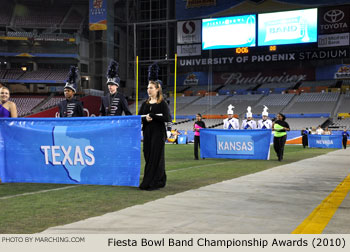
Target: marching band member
230 122
114 103
249 123
71 107
265 123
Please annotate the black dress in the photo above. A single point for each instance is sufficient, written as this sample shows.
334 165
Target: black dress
154 136
345 138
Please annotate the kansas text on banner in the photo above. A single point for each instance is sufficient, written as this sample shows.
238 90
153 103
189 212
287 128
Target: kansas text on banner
235 144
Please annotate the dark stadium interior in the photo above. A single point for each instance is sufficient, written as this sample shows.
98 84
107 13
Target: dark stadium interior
40 40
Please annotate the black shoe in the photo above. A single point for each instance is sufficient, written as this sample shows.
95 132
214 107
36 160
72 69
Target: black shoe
195 158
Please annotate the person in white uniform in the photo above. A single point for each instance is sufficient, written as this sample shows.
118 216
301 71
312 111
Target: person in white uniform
249 123
230 122
265 122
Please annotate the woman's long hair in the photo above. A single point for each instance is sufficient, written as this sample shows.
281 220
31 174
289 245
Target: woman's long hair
158 86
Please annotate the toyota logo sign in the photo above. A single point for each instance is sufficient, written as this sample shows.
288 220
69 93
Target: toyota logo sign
333 16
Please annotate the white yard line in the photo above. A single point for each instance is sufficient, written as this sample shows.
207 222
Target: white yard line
68 187
199 166
31 193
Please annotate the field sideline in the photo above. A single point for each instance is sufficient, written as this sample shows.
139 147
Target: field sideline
31 208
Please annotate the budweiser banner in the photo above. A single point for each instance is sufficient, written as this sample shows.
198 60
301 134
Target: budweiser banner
241 78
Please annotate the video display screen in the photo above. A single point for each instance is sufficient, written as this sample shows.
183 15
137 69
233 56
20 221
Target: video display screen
287 27
229 32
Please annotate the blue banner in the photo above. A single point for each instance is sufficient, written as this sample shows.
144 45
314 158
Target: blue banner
89 150
97 15
235 144
325 141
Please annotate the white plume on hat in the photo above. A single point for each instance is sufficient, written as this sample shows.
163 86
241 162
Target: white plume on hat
265 113
249 112
230 109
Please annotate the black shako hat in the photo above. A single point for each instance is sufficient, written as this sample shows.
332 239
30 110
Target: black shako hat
153 71
71 82
112 74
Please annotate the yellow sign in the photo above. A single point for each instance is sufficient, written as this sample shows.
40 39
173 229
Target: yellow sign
199 3
24 55
97 27
242 50
13 38
273 48
344 115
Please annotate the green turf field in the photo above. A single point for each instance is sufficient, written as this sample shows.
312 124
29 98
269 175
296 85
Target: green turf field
32 212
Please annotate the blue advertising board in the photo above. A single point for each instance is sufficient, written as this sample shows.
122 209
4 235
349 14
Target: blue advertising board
325 141
235 144
89 150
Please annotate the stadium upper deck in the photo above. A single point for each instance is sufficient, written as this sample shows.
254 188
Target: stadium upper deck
48 42
30 14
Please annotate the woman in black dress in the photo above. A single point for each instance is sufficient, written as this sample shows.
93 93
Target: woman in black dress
156 113
199 124
345 135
